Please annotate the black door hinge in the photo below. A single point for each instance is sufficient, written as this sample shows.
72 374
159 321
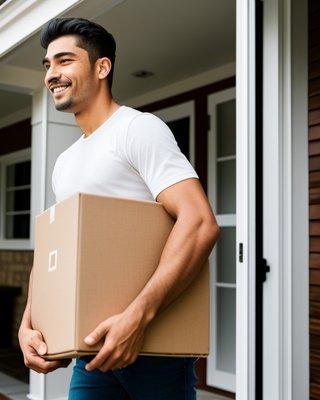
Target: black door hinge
265 268
241 252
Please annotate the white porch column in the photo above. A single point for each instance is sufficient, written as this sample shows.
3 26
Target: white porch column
52 133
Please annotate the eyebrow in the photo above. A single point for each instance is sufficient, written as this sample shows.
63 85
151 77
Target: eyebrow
58 55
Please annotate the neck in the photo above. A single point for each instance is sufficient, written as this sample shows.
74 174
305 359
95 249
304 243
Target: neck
96 113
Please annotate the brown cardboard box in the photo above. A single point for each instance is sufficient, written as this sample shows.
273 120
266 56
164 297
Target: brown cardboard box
93 255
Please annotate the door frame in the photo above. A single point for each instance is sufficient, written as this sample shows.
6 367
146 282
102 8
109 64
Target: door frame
285 188
246 200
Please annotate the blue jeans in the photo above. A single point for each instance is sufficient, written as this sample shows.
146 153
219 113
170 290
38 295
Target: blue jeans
148 378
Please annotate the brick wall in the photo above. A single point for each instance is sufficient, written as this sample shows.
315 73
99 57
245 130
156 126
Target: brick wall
15 267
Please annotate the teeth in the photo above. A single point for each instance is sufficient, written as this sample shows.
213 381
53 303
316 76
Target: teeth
59 89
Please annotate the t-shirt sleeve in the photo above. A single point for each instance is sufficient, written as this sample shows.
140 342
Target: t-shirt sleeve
54 177
53 182
152 150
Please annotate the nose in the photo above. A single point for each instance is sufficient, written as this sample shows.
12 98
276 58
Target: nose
53 74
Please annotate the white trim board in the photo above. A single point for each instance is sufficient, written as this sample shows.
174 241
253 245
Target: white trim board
20 19
246 207
285 199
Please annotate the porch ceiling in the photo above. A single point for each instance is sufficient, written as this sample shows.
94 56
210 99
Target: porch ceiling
174 39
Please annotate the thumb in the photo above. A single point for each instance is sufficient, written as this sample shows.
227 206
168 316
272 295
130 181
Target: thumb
38 344
96 334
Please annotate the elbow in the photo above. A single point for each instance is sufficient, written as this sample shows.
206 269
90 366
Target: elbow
215 232
212 231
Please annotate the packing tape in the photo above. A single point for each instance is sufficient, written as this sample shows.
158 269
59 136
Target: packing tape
52 213
52 260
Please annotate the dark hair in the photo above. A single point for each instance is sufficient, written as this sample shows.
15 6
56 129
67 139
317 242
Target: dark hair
96 40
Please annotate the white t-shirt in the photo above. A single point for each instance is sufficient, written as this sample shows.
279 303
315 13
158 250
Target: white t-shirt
132 154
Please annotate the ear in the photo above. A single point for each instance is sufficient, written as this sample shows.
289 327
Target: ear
104 67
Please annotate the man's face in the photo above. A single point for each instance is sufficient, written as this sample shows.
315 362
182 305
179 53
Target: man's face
69 74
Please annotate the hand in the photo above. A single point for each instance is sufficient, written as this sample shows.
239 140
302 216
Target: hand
33 347
123 334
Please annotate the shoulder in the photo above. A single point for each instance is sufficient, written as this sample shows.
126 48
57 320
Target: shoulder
145 125
138 126
147 119
139 118
68 151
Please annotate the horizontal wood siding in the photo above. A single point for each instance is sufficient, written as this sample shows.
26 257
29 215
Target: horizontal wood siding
15 137
314 196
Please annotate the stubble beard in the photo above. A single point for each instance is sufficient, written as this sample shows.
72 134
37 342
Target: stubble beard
64 105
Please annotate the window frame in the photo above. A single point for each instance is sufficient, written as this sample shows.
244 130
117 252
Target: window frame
5 160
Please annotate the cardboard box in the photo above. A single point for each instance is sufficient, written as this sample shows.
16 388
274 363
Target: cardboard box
93 255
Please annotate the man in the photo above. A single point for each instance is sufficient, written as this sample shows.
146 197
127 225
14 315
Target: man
122 152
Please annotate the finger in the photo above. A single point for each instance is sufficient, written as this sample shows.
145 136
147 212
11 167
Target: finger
118 365
40 361
123 358
110 364
38 364
36 341
96 334
64 363
100 358
114 361
56 363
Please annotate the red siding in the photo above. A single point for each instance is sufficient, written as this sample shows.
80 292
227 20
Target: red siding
314 196
15 137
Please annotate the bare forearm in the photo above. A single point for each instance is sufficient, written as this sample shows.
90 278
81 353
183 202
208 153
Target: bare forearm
26 319
186 250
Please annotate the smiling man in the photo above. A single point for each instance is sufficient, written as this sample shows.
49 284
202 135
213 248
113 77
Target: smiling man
122 152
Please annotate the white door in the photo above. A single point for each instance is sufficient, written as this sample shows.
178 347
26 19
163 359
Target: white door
221 363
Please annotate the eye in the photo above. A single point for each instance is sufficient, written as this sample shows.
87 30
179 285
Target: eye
65 60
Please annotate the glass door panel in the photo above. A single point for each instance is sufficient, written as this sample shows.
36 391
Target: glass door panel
226 329
221 364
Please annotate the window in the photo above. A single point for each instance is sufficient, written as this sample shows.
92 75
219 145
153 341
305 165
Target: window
15 195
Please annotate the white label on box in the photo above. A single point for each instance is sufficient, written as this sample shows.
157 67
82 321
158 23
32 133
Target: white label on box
53 260
52 213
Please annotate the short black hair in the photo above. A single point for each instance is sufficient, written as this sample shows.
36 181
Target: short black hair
92 37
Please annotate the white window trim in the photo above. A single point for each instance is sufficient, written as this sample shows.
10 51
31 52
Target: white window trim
14 157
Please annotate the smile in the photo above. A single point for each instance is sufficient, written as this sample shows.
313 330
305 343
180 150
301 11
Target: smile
59 89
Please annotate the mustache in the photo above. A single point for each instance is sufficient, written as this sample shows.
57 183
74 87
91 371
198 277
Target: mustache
56 81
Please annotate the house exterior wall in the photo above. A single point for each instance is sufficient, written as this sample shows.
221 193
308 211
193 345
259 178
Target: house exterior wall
314 195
